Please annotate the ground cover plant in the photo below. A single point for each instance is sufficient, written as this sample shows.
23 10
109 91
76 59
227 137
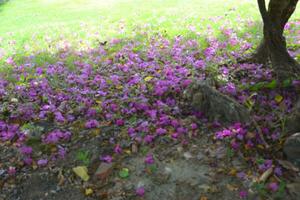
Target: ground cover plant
106 110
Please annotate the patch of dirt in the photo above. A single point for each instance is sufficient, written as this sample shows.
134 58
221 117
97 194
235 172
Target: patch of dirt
178 173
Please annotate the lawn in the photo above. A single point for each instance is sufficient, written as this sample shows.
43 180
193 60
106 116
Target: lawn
123 99
28 24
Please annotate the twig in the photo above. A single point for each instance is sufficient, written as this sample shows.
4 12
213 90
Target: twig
260 134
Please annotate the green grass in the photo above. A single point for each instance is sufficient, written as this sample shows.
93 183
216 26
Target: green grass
28 26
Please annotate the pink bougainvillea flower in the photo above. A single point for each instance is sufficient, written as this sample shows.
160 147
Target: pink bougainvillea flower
118 149
120 122
56 136
26 150
11 171
42 162
161 131
106 158
149 159
92 124
243 194
273 186
149 139
28 161
223 134
140 191
278 171
194 126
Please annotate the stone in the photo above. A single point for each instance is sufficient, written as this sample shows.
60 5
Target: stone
292 122
103 171
187 155
294 189
292 148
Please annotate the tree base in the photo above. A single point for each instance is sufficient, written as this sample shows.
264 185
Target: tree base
217 106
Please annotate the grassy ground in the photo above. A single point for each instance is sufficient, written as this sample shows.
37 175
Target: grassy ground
28 26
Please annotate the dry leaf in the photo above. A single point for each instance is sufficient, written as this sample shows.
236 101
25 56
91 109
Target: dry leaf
265 175
88 191
232 187
81 171
278 98
148 78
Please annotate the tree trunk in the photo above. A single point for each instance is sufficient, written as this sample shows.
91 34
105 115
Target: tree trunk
273 46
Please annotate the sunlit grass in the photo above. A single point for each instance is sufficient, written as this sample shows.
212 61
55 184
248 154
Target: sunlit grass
30 25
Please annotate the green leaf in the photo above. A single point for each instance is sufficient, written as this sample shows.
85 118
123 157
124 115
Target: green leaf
230 152
287 83
281 189
257 86
124 173
271 85
260 161
22 78
153 168
83 156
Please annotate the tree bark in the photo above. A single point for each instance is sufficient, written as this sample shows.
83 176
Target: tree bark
219 107
273 46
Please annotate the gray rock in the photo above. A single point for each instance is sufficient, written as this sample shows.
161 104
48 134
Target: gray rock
292 122
292 148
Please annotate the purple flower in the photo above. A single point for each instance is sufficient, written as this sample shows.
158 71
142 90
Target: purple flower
120 122
243 194
174 135
273 186
56 136
118 149
140 191
42 162
92 124
194 126
186 82
131 132
230 88
223 134
209 52
61 152
115 79
91 112
161 131
181 130
152 114
175 123
106 158
11 171
241 175
278 171
234 144
26 150
59 117
148 139
28 161
149 159
199 64
7 135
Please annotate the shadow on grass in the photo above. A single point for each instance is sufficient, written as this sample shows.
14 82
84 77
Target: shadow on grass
2 2
44 58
